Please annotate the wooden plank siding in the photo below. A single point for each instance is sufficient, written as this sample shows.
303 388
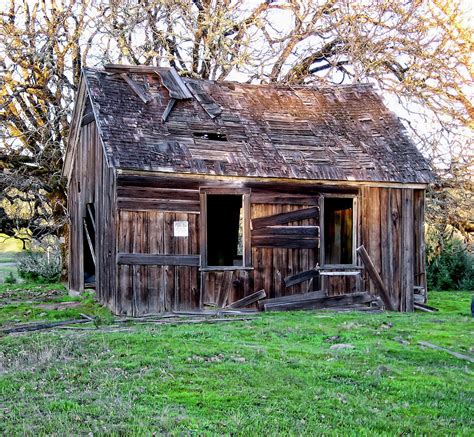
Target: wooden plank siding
392 232
92 182
145 269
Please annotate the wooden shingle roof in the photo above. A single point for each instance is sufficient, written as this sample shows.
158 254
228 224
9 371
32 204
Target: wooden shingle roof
223 128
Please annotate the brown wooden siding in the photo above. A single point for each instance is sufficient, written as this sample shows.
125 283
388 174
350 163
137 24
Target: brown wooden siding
92 181
273 264
392 232
153 288
157 272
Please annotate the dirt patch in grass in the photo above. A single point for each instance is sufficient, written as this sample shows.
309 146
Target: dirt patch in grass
58 306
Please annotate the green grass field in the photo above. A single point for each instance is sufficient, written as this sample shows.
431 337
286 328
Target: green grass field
275 375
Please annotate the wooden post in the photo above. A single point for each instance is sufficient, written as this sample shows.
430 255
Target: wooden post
377 280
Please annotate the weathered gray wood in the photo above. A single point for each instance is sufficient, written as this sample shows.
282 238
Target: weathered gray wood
87 118
301 277
40 326
209 320
91 216
296 231
158 259
284 241
293 297
448 351
425 308
205 100
168 109
136 89
377 280
173 82
248 300
225 289
158 205
319 302
89 240
342 273
285 217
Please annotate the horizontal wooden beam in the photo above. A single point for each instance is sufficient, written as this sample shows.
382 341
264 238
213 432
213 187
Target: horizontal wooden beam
297 231
151 259
189 207
341 273
271 181
284 242
284 199
154 193
285 217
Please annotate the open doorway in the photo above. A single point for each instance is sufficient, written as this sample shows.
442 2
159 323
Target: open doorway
89 246
338 230
225 230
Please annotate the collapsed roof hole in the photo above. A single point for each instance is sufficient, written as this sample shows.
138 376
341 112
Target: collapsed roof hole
213 136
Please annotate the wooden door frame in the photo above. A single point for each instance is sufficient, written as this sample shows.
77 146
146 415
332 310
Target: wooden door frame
355 227
247 250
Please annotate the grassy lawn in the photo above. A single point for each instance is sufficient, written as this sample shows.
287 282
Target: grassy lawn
275 375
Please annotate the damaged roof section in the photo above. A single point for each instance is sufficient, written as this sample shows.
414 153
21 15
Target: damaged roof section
222 128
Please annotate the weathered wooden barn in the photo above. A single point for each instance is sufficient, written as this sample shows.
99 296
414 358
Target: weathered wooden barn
185 193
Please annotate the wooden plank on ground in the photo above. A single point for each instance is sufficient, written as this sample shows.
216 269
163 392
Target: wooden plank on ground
40 326
377 280
248 300
425 308
450 352
319 302
293 297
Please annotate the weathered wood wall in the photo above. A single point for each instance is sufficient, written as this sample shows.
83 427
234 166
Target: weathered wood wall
392 232
157 272
92 181
151 271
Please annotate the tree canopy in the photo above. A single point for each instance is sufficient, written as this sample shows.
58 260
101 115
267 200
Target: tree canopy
418 54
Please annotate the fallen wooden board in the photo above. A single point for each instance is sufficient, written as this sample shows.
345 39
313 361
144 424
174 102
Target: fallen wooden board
450 352
200 320
248 300
40 326
319 302
293 297
357 307
425 308
376 279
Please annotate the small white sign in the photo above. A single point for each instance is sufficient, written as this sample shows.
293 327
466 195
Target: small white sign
181 229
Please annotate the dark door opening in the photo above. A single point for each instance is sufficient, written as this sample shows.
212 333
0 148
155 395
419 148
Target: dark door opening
338 230
224 230
89 245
